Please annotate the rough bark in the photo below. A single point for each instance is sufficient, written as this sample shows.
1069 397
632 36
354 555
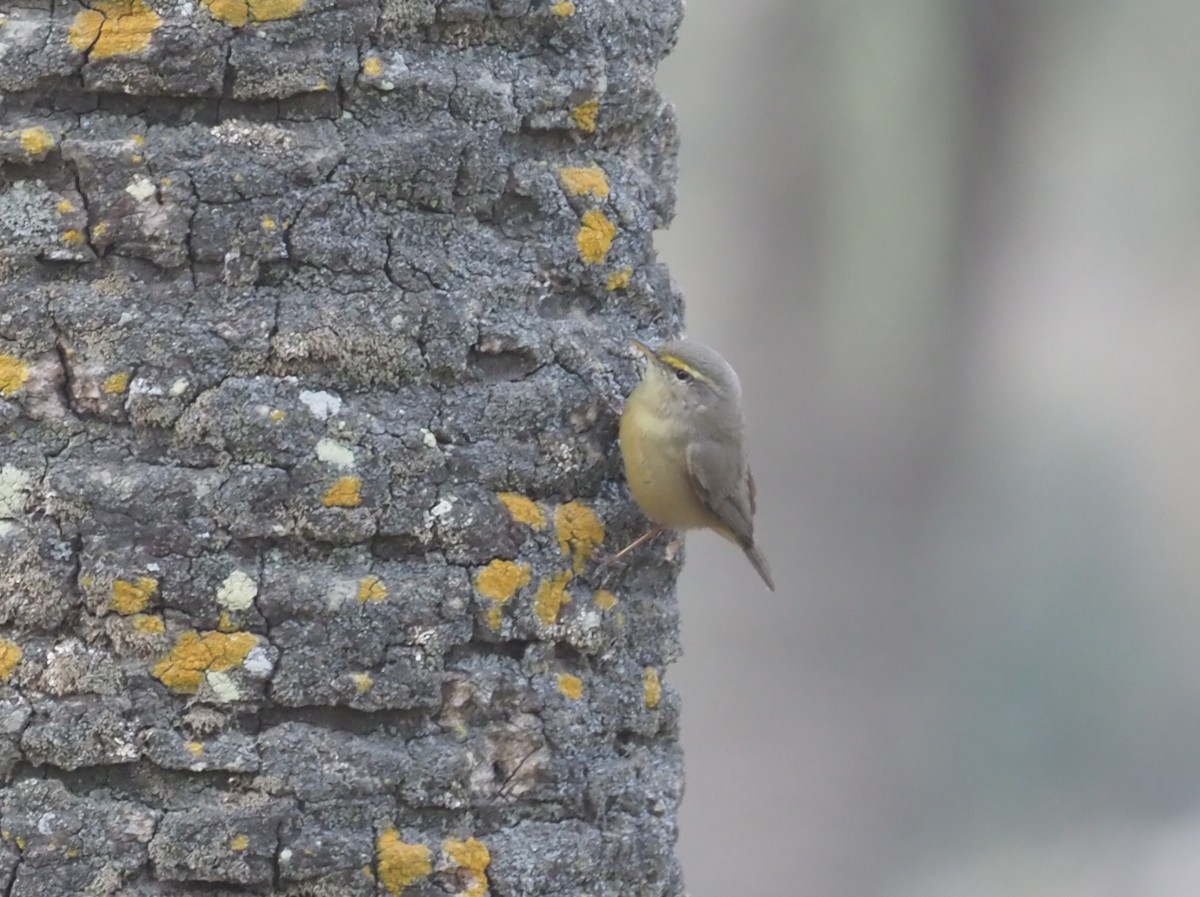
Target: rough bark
311 317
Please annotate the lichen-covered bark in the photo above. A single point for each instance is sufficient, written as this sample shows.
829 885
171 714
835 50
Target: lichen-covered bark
312 315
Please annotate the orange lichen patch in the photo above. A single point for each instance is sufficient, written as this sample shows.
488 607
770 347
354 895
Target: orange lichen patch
595 236
238 12
619 280
400 864
523 510
13 374
73 237
147 623
343 494
239 842
195 748
115 384
362 682
499 580
584 115
471 856
563 9
651 688
195 654
579 532
551 596
113 28
132 596
578 181
371 588
570 686
605 600
372 67
36 141
10 656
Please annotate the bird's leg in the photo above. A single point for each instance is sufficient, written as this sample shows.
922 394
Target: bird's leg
645 537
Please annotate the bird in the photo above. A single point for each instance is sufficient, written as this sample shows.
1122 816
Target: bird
681 437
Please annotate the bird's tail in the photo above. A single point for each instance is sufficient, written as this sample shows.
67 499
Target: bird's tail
760 564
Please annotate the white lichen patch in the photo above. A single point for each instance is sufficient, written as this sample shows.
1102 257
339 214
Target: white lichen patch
428 438
179 387
141 188
222 686
237 591
336 453
323 405
15 486
257 663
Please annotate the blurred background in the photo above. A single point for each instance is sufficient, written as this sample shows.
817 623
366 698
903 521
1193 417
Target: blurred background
953 248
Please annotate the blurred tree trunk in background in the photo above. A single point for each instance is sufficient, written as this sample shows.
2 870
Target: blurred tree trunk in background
310 312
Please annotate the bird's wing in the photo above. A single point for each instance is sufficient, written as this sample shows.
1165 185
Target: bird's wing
711 463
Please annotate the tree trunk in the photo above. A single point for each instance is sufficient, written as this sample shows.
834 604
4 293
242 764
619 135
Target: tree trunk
312 319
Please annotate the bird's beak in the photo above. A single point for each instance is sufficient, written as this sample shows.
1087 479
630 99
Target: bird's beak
643 348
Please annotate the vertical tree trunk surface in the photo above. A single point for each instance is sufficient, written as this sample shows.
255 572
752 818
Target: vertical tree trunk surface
312 313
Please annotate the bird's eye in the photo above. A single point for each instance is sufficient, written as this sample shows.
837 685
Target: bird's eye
682 376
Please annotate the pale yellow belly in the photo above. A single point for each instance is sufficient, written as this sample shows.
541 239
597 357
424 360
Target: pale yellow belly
656 468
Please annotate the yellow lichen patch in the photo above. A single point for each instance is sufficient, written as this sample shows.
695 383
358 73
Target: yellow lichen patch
36 141
551 596
225 622
73 237
99 230
595 236
343 494
362 682
651 688
115 384
147 623
619 280
113 28
400 864
371 588
275 415
64 206
13 374
584 115
10 656
493 617
132 596
563 9
137 139
239 12
571 686
372 67
239 842
499 580
267 223
579 532
578 181
523 510
195 748
194 654
605 600
473 857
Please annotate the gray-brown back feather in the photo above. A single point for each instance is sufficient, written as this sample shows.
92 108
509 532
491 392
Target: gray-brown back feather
710 463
